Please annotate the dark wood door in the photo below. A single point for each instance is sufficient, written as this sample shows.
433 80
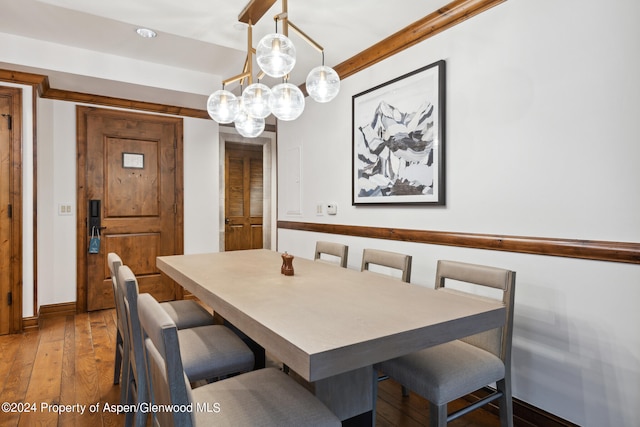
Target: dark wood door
244 191
10 210
5 220
133 165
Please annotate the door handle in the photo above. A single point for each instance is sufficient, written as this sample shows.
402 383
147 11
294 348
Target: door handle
227 221
94 216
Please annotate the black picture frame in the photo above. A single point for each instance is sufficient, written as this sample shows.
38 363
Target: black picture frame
398 140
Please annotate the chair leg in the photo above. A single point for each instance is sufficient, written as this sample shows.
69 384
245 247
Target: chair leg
405 392
118 363
437 415
127 375
374 396
506 403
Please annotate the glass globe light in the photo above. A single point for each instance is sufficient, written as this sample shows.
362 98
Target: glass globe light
286 102
276 55
255 99
248 126
222 106
323 83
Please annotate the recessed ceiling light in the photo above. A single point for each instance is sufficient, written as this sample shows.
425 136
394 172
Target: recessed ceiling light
146 33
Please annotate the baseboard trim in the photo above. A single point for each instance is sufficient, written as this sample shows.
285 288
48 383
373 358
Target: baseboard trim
29 323
55 310
524 414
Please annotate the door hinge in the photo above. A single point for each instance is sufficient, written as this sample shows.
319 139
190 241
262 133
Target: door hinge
9 120
10 211
10 298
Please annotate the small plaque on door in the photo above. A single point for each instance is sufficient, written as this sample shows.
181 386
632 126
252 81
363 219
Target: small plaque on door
133 160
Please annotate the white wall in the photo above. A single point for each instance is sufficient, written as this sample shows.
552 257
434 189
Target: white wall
201 181
541 141
56 185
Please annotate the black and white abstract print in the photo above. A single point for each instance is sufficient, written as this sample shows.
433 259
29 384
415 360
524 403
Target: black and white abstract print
395 154
397 137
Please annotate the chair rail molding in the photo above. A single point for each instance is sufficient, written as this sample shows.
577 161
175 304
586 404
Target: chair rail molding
625 252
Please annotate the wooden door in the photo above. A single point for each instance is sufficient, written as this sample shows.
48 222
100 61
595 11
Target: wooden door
10 210
5 220
133 179
244 191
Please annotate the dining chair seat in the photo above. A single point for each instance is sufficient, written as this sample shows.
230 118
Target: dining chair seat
212 352
265 397
447 371
187 313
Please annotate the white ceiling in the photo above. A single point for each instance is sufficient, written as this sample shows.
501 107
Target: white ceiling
204 35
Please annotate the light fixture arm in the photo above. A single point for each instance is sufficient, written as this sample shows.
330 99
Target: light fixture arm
306 37
236 78
247 71
286 23
250 52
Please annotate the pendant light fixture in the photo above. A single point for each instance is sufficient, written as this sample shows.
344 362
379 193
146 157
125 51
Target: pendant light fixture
256 100
276 57
323 83
287 101
222 106
247 125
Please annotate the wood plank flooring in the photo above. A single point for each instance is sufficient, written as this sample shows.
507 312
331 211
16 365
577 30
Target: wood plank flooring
69 361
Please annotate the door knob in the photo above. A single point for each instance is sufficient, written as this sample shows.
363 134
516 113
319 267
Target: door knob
227 221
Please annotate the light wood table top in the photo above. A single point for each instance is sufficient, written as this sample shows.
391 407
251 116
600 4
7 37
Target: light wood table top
326 320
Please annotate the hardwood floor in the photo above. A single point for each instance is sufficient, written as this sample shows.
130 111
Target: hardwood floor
69 361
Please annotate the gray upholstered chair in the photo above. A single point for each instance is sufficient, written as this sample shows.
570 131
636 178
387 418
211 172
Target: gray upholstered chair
185 313
122 356
449 371
394 260
336 251
123 351
207 352
264 397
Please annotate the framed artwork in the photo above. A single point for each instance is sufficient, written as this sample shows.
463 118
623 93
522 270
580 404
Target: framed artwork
398 140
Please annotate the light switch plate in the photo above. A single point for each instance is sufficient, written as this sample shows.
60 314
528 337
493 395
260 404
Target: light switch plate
64 209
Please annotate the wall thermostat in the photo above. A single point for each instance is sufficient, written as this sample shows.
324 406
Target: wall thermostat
332 209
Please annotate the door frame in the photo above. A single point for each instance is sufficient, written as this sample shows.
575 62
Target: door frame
15 197
82 238
269 171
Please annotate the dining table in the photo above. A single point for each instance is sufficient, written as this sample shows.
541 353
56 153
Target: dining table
329 325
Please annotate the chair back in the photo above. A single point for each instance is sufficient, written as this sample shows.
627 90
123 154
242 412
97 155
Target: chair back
114 262
496 341
395 260
168 386
128 285
334 249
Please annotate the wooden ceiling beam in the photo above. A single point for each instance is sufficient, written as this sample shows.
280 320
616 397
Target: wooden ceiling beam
446 17
254 10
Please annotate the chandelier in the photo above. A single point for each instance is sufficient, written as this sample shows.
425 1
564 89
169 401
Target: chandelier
276 57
